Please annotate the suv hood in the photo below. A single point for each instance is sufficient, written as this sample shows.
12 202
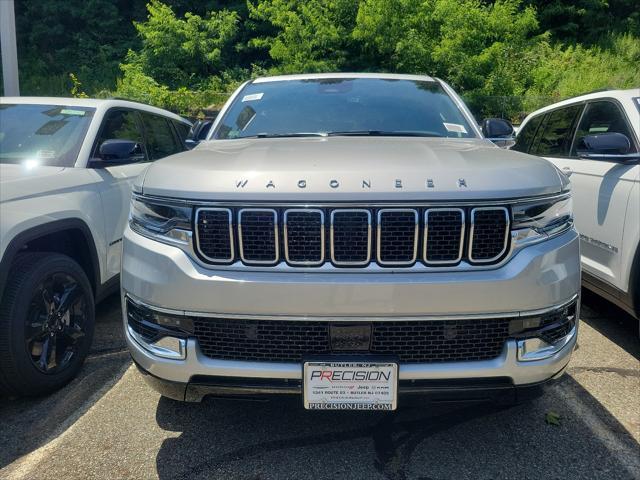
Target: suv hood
350 169
19 181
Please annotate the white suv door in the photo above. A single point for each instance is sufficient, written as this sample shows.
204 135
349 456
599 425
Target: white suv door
117 180
157 140
601 189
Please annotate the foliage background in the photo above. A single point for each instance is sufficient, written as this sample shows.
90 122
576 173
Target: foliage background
506 57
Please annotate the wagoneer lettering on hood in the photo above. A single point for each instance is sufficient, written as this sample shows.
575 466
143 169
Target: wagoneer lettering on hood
350 168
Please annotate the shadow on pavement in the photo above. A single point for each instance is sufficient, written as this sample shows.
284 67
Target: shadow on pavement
28 423
278 439
611 321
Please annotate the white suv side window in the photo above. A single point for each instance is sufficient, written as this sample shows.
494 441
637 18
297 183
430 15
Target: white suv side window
602 117
121 125
556 132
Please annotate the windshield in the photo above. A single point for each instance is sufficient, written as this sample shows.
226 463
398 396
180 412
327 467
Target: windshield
42 134
343 106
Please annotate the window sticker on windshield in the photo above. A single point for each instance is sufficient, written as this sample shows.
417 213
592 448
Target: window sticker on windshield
253 96
68 111
46 154
454 127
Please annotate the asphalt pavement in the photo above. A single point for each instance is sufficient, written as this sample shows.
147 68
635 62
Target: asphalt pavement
108 424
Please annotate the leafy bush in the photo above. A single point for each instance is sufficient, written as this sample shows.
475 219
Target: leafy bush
574 70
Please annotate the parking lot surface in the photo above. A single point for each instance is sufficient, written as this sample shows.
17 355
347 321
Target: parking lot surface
108 424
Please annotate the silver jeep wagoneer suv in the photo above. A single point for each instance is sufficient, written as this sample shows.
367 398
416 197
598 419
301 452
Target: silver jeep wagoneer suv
353 239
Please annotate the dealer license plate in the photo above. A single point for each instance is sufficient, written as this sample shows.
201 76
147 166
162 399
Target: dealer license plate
350 386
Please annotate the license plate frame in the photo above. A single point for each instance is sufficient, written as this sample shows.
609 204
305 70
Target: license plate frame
376 391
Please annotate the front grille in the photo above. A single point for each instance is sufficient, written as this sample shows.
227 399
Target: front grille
352 237
397 236
409 341
489 230
304 237
444 235
214 233
258 235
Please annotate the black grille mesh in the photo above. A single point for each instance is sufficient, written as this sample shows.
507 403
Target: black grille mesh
258 236
214 240
304 236
412 342
488 234
397 236
558 324
273 341
552 335
351 242
444 229
141 322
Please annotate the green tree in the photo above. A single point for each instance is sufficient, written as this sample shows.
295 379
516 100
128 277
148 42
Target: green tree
184 63
568 71
183 51
87 37
587 21
485 51
311 36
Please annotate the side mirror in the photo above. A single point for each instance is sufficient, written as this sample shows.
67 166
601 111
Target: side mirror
204 130
117 151
198 133
499 131
609 146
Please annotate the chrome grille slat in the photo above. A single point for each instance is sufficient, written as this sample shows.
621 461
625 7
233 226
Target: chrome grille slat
443 236
489 234
304 236
214 234
397 236
350 237
258 236
390 237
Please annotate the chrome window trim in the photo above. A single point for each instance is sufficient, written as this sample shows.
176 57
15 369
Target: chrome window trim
506 234
351 210
286 236
379 236
230 217
275 233
426 236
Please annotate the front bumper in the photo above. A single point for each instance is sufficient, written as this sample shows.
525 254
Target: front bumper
537 278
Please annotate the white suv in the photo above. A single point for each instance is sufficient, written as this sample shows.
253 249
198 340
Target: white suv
595 139
66 169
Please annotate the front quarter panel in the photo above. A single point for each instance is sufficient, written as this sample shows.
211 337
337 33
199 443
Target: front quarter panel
73 194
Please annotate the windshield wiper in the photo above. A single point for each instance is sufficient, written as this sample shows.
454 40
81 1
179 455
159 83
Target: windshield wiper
285 135
382 133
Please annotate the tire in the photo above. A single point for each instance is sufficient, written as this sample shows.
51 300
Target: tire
42 344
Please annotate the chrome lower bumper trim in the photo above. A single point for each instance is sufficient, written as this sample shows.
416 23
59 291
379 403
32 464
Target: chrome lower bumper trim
523 313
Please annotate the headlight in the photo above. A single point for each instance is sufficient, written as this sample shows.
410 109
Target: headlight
538 220
163 221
